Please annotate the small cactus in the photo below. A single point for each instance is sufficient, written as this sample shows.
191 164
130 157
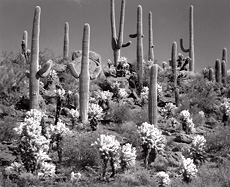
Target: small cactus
224 55
151 46
211 74
117 42
218 71
152 103
66 42
190 50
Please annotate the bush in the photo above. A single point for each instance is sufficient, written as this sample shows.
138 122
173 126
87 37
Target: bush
78 151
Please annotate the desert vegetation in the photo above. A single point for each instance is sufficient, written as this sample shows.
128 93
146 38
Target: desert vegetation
73 121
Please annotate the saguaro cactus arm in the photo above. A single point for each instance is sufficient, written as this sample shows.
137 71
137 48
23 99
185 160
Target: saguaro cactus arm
151 52
34 82
73 70
45 69
182 46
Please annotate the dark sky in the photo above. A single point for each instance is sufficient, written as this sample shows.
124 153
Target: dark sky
170 23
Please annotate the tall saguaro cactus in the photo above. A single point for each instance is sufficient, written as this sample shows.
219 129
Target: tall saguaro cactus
224 55
190 50
152 103
174 63
223 73
117 42
151 46
34 82
84 78
218 71
66 42
139 35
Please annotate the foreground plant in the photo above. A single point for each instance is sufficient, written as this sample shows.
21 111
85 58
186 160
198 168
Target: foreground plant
33 145
187 123
128 156
163 179
188 169
109 150
152 141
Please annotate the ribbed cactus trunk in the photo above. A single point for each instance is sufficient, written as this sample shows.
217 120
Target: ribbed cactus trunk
174 63
177 97
84 75
117 42
218 71
224 55
25 38
34 81
211 74
224 73
191 41
152 103
139 47
66 42
151 46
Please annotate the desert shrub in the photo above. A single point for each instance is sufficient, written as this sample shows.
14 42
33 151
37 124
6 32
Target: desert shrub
139 115
78 152
119 112
218 141
6 129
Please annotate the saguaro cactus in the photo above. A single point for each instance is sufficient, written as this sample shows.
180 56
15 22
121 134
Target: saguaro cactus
177 96
66 42
35 73
34 82
218 71
223 73
152 103
224 55
174 63
117 42
151 46
84 75
139 35
211 74
190 50
25 39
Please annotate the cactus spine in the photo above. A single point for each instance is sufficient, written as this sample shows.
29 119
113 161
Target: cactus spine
151 46
117 42
218 71
223 73
34 82
152 104
211 74
66 42
190 50
84 78
174 63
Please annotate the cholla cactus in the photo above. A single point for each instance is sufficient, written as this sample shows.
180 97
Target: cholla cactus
75 177
59 92
168 111
225 107
34 145
197 150
188 169
128 156
163 179
187 123
109 149
95 111
105 95
122 93
152 136
202 115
